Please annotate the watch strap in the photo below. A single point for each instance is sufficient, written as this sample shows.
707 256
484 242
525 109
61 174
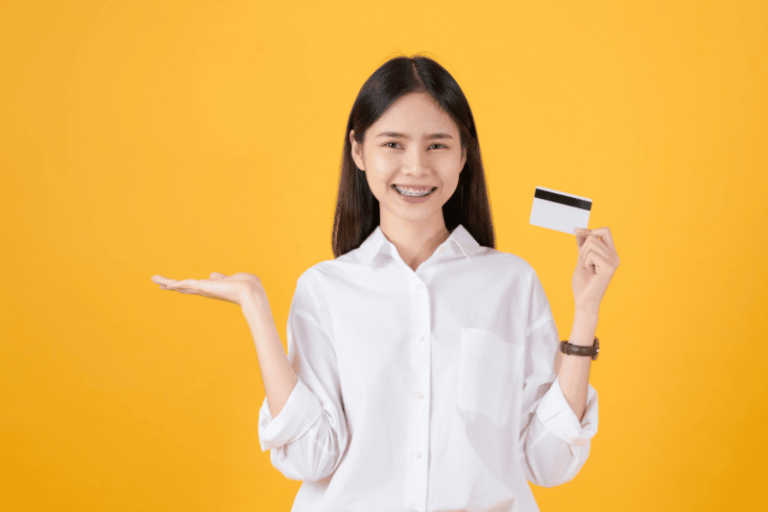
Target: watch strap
579 350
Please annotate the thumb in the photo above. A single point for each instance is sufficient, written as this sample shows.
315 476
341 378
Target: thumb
216 275
581 236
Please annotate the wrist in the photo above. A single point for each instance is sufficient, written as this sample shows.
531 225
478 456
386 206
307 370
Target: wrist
584 328
586 315
587 310
255 300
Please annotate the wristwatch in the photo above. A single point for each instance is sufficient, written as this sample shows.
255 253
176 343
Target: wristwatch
579 350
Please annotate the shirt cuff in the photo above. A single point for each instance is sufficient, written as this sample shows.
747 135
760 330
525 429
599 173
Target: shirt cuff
560 420
296 417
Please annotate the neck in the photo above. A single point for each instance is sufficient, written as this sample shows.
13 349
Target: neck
415 241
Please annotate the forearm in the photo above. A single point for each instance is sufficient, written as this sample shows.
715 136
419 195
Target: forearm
573 373
276 371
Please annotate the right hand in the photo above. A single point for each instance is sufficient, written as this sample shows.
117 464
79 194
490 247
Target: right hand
237 288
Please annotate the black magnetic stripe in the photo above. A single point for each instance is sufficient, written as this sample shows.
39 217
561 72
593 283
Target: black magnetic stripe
566 200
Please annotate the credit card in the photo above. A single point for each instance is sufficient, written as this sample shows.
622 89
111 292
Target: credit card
560 211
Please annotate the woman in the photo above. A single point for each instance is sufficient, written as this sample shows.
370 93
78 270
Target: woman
423 370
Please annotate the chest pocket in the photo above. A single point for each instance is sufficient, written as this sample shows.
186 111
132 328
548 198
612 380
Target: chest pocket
485 381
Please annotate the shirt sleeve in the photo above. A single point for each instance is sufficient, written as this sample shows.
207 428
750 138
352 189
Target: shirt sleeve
555 443
309 435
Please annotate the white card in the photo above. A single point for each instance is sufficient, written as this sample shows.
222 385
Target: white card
560 211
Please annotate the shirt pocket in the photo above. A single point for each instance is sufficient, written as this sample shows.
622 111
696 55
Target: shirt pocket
487 367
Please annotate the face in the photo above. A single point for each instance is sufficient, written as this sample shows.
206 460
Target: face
414 143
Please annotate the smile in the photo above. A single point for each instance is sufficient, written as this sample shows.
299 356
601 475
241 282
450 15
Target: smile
413 193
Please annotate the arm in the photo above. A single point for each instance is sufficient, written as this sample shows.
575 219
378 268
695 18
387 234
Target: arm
555 442
562 415
573 371
276 371
302 419
596 264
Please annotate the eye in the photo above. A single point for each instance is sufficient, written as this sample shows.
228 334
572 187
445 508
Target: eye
441 145
387 144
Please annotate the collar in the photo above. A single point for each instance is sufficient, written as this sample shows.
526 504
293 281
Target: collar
459 238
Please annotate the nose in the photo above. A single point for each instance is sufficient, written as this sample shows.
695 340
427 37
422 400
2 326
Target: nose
416 161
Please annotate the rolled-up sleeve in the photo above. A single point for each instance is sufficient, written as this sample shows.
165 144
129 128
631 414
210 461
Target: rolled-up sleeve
555 443
309 435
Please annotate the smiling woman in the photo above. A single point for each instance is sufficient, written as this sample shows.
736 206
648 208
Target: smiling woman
423 370
425 358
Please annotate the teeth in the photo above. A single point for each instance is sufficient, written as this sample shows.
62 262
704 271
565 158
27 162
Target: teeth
412 193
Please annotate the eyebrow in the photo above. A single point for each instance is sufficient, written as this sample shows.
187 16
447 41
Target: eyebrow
404 136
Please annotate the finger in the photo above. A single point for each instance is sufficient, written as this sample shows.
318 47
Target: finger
209 288
217 275
581 235
200 287
596 241
587 262
588 242
594 238
585 234
599 264
184 286
590 236
167 284
602 247
593 244
160 279
605 234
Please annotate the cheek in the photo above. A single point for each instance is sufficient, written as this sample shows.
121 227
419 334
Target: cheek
383 163
382 169
377 177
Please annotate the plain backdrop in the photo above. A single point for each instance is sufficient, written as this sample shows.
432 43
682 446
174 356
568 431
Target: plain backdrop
185 137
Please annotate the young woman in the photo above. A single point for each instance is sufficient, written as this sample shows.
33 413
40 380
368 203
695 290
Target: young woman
424 370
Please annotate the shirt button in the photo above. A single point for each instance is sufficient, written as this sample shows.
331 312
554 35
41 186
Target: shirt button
420 337
417 455
418 395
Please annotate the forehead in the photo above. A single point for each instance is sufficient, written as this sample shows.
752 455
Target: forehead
415 113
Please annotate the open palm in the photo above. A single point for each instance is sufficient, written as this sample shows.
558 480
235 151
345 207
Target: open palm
235 288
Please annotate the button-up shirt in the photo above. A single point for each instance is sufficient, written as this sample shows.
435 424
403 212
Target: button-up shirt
427 390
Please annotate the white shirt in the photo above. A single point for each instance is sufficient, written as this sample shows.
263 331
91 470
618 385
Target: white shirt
428 390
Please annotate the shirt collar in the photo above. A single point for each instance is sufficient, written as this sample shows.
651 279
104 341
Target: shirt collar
459 238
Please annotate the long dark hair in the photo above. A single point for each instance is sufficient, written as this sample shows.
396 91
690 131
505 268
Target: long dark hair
357 210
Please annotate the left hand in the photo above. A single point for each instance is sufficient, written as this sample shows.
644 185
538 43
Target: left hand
596 264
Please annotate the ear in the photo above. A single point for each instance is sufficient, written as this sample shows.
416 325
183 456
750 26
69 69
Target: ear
463 158
357 151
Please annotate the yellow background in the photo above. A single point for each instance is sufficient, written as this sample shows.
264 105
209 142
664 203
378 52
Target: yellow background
180 138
